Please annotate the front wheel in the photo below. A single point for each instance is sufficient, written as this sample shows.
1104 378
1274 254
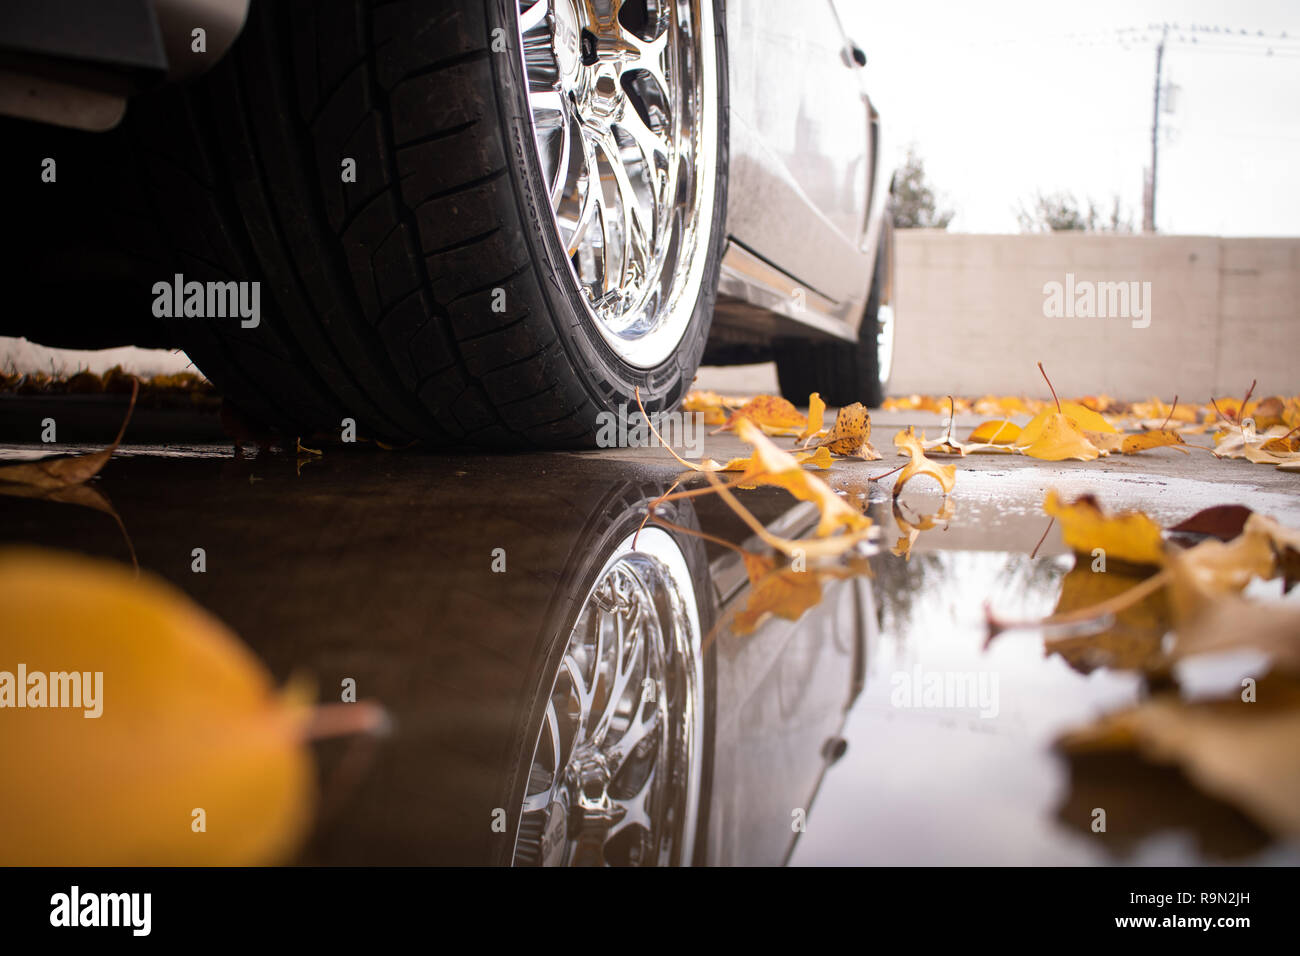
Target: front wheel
472 220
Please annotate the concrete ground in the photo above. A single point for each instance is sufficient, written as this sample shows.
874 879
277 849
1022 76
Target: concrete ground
1165 482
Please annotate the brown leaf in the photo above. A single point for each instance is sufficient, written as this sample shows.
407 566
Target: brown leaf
1241 752
1224 522
850 437
51 473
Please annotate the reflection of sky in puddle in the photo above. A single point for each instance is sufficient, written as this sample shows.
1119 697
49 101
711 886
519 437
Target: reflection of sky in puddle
943 785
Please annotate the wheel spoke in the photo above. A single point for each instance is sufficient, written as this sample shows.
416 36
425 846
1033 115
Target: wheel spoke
648 55
627 656
532 17
590 198
546 101
562 166
636 231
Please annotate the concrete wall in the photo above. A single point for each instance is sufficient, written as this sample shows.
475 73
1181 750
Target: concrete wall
971 315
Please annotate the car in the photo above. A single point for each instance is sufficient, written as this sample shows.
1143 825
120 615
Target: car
461 221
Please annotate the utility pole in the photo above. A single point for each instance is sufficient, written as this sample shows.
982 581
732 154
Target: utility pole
1149 197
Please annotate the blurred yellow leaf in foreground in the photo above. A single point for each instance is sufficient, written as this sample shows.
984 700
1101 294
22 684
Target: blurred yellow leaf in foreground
188 721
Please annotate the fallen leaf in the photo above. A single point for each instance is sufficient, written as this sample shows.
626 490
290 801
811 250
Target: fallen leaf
781 469
1128 536
910 445
1231 623
711 405
51 473
773 414
1052 436
189 719
995 433
1243 753
1224 522
851 434
816 416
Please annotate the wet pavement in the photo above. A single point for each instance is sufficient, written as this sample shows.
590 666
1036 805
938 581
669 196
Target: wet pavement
481 599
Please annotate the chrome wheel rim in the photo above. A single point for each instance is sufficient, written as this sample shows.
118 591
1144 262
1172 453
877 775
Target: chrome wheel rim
623 96
615 772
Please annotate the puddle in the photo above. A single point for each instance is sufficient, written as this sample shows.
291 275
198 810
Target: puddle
545 665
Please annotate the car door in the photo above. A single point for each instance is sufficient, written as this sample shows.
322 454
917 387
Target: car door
802 150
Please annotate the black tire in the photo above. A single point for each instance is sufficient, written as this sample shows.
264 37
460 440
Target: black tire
842 372
381 291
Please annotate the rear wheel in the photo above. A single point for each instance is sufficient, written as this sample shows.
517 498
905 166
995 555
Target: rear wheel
846 372
473 220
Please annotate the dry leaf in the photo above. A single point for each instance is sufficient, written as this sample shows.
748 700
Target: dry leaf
909 444
816 417
1152 439
773 414
995 433
1051 436
52 473
1128 536
783 470
851 434
1242 753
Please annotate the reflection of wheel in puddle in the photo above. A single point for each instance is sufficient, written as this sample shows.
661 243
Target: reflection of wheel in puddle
615 774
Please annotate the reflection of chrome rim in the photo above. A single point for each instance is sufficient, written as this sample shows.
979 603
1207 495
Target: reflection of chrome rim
885 342
615 772
623 96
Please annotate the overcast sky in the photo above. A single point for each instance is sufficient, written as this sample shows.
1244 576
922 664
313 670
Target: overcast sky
1005 97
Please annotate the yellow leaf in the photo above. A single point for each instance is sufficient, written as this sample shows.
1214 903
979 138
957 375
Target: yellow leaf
1052 436
816 415
783 470
996 433
709 404
908 444
773 414
1154 439
188 718
1128 536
